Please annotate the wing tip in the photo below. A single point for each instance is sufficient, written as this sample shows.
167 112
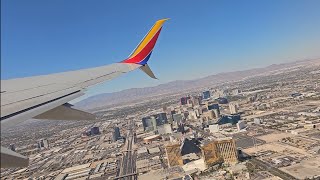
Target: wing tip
164 19
141 54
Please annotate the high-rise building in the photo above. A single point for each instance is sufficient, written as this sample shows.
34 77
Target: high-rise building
95 131
221 150
181 128
147 124
227 150
195 100
211 154
233 119
192 115
190 103
206 94
150 123
172 112
216 113
170 120
87 132
197 112
214 128
116 134
233 108
209 115
177 118
241 125
203 110
161 118
43 144
12 147
173 153
213 106
222 100
184 100
154 122
165 129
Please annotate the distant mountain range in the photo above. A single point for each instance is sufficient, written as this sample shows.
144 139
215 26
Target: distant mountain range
128 95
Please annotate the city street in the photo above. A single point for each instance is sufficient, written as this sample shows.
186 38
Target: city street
128 163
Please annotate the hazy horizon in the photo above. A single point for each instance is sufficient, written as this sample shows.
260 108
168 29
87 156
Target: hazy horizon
88 94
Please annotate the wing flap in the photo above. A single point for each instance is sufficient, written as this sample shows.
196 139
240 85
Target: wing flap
12 159
146 69
65 112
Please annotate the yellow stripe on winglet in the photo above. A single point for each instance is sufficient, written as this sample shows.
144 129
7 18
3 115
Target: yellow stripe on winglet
149 36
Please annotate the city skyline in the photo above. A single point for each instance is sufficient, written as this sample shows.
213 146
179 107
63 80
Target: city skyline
197 41
266 126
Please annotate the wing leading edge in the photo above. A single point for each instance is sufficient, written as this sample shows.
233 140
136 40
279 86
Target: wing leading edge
46 96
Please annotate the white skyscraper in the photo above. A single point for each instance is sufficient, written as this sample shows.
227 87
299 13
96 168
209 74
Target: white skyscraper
43 144
214 128
233 108
241 125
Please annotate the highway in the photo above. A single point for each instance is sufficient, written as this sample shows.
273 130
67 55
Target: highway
128 162
267 167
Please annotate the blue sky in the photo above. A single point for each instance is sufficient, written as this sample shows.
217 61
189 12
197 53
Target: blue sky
201 38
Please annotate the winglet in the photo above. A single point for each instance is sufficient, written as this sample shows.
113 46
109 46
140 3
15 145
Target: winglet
141 54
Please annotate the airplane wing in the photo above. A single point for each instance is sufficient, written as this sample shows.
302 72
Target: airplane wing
46 97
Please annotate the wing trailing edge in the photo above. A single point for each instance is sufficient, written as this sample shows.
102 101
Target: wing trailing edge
11 159
65 112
